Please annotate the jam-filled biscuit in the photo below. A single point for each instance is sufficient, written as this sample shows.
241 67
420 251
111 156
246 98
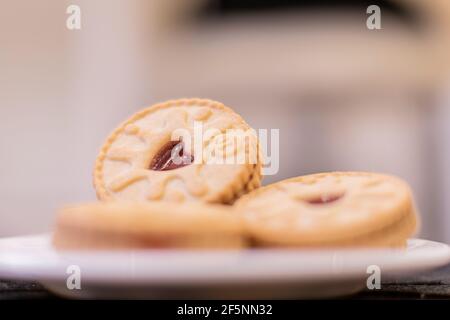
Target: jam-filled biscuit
117 225
331 209
216 152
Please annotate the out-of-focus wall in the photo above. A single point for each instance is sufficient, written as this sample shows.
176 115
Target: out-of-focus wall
35 118
61 93
343 97
441 178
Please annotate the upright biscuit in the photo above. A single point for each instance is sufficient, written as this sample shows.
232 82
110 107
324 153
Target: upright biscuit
331 209
136 162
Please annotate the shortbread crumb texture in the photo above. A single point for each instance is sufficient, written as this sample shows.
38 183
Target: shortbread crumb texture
123 167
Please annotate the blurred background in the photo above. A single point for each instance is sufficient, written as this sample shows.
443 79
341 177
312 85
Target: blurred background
344 97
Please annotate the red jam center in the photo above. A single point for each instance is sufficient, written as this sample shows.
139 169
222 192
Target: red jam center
171 156
325 199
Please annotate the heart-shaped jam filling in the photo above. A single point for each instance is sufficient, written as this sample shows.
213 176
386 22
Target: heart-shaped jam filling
171 156
324 199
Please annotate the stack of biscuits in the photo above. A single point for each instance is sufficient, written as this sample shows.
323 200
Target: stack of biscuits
186 174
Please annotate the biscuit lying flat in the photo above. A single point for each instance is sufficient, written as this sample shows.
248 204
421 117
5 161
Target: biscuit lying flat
331 209
137 161
116 225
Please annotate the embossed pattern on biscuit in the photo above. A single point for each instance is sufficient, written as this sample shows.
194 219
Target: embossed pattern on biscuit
124 168
330 208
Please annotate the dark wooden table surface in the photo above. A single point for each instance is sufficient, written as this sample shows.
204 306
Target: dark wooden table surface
430 285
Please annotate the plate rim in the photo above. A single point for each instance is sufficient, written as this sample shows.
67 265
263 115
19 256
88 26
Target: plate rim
400 263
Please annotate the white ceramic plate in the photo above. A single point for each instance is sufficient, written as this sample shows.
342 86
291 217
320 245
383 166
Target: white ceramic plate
263 273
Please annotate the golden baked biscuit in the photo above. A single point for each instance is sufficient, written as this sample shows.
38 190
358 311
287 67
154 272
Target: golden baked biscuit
137 162
331 209
120 225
